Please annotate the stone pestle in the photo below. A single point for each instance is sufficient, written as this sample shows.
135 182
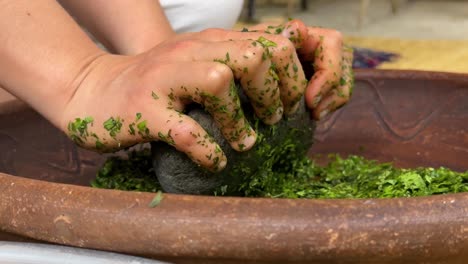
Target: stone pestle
179 174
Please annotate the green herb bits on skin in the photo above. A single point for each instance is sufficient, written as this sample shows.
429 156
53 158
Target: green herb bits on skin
78 129
113 126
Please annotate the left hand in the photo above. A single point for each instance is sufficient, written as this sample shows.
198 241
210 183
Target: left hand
332 83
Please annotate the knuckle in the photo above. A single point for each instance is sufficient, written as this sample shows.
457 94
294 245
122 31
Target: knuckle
253 56
181 45
184 135
335 38
335 35
218 77
333 75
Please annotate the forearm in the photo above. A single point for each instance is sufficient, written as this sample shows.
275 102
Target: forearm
123 26
44 54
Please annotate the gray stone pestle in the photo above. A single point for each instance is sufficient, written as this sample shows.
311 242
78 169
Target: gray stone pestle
178 174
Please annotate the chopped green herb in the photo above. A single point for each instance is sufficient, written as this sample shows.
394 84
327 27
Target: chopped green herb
266 43
99 144
143 131
287 175
113 125
132 173
131 129
295 69
78 129
156 200
226 60
167 138
279 30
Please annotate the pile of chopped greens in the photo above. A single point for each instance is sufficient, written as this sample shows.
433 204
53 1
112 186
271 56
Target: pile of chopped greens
132 173
300 177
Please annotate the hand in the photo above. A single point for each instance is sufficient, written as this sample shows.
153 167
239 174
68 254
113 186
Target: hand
124 100
107 102
332 83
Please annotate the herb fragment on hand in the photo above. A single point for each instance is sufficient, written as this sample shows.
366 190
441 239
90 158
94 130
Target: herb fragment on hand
156 200
143 131
266 43
167 138
99 144
225 61
295 68
154 95
113 125
78 129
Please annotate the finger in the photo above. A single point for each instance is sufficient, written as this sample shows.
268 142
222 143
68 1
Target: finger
258 78
341 95
187 136
176 129
285 63
324 47
295 30
212 85
168 125
261 87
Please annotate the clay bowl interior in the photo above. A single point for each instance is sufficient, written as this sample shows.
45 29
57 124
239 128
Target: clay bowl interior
409 118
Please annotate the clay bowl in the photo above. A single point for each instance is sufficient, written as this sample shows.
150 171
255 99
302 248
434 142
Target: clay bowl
409 118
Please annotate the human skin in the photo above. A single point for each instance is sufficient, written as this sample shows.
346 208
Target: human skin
105 101
137 27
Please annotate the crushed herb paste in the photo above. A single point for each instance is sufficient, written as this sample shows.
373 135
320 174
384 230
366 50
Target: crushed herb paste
287 175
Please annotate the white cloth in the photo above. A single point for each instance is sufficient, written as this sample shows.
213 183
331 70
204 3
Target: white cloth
197 15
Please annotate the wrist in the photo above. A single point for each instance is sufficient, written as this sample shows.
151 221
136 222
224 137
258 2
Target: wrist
43 55
62 84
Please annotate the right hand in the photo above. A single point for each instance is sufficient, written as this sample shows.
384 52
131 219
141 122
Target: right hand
124 100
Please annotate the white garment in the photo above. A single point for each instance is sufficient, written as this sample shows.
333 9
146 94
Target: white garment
197 15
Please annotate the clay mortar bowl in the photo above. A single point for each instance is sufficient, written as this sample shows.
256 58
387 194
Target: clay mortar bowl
409 118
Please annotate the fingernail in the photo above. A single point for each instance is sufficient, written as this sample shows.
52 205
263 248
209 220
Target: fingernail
286 33
323 113
222 163
278 115
316 100
249 140
272 119
293 109
219 166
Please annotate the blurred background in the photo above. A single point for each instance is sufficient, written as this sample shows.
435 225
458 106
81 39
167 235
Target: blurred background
388 34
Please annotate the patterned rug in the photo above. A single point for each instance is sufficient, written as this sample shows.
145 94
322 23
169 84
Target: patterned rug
370 58
427 55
